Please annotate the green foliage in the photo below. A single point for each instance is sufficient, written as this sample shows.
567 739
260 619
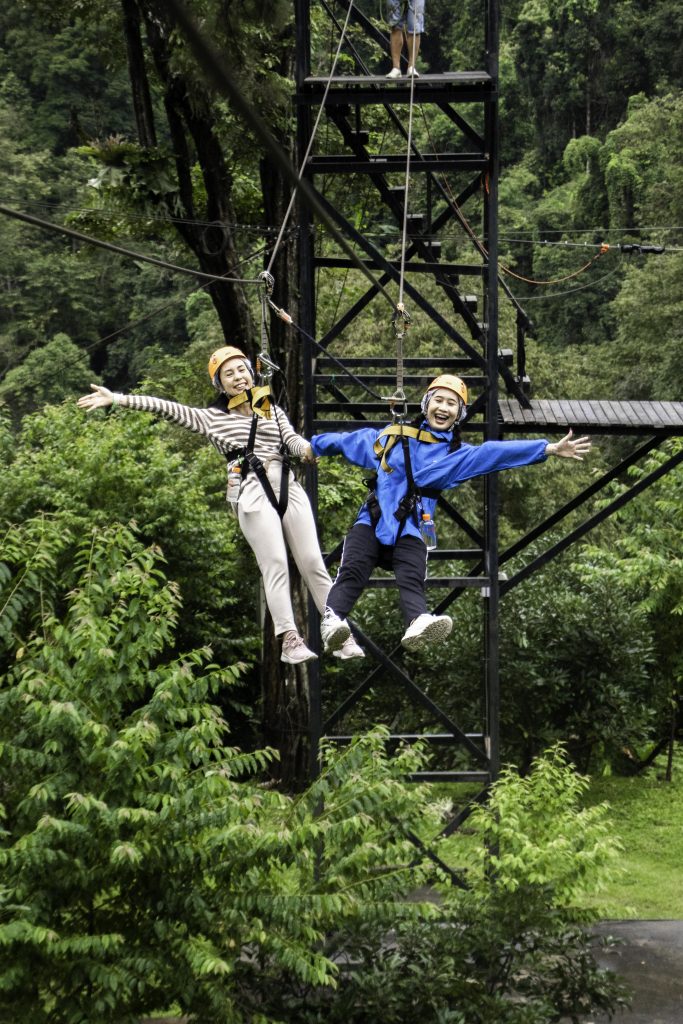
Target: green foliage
576 664
124 467
57 370
647 814
512 947
141 866
644 564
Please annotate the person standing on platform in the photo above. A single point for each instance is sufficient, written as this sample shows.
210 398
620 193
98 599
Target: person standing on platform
406 20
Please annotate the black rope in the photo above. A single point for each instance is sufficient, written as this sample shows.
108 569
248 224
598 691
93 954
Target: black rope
47 225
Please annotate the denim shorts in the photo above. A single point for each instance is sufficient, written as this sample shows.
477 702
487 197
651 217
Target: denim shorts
407 14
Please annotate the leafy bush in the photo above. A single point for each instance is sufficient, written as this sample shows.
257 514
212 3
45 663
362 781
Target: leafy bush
512 947
142 864
123 467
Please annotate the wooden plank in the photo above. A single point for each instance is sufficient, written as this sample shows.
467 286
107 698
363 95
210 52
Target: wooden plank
652 414
544 413
670 413
593 415
567 413
597 419
588 415
643 414
613 417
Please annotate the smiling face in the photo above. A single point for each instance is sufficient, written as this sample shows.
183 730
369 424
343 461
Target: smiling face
234 376
443 409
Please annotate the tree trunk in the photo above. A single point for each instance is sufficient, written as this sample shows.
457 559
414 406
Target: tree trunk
195 140
286 693
139 83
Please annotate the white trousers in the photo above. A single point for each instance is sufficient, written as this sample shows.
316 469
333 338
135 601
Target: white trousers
268 536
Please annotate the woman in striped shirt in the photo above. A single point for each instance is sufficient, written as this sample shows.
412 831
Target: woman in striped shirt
256 437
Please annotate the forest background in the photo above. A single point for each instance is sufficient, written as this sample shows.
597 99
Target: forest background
107 126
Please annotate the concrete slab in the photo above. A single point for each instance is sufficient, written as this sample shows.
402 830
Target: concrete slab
649 958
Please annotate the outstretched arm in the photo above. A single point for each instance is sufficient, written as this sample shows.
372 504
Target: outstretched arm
570 447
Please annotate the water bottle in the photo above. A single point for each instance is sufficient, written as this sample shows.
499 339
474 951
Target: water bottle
428 531
234 485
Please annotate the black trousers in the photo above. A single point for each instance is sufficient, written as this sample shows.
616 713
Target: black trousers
362 553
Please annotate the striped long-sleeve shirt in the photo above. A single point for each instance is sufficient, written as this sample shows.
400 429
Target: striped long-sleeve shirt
225 431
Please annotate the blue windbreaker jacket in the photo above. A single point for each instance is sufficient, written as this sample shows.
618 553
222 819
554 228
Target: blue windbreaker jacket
433 466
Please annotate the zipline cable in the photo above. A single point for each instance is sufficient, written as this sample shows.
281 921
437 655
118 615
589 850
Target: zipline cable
214 68
143 319
47 225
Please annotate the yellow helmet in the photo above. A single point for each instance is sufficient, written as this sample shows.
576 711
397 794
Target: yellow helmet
221 355
451 383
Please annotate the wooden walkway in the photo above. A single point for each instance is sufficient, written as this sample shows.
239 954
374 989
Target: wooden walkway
591 416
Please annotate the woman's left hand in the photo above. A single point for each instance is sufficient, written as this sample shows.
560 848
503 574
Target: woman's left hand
570 448
309 455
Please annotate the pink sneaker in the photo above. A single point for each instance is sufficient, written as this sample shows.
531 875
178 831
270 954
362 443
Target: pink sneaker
294 649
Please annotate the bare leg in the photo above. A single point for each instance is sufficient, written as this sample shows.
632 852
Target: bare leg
413 50
396 47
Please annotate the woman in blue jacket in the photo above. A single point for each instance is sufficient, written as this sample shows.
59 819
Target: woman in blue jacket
414 464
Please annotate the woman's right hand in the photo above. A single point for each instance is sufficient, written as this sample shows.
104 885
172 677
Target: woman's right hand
102 398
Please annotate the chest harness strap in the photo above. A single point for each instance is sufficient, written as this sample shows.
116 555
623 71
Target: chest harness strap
252 461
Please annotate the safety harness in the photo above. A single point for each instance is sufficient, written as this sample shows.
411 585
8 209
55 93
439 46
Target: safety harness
409 503
260 403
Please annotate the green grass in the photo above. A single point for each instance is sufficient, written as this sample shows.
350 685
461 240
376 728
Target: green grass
647 814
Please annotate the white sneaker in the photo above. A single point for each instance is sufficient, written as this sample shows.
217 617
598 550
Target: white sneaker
349 649
413 71
394 73
333 630
294 649
425 630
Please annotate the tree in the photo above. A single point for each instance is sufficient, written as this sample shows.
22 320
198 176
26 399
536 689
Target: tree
143 865
46 375
644 564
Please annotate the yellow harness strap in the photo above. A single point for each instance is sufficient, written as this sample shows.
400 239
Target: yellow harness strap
259 398
392 433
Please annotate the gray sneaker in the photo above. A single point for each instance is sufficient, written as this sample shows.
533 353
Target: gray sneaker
333 630
294 649
426 630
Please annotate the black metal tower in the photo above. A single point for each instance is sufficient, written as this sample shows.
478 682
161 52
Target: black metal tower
469 342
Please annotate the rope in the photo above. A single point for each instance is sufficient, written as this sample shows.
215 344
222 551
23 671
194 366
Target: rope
312 139
604 248
407 184
483 251
401 318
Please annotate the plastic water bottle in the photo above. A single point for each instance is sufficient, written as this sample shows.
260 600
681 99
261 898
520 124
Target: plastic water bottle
234 485
428 531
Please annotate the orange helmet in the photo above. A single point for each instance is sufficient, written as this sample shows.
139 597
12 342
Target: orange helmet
221 355
451 383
